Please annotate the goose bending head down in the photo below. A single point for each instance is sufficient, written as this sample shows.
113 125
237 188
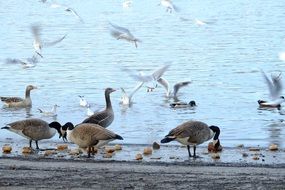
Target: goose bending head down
19 102
193 133
88 135
103 118
34 129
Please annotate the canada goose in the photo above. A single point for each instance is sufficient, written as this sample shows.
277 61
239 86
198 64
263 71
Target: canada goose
176 87
275 87
103 118
119 32
88 135
34 129
83 102
193 133
19 102
191 104
127 99
51 113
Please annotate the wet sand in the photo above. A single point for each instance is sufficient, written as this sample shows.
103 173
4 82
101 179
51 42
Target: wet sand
166 168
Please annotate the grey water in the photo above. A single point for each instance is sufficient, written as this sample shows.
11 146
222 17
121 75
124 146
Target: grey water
222 59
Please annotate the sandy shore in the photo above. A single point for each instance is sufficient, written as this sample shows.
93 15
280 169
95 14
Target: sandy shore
166 168
60 174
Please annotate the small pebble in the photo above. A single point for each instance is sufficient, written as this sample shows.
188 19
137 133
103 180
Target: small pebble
108 155
139 156
244 154
118 147
255 158
109 149
49 152
254 149
273 147
27 150
240 146
7 149
61 147
155 146
147 151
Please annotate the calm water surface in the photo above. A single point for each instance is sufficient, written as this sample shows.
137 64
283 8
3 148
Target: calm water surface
222 59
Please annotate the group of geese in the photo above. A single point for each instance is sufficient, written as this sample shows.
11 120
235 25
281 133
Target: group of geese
92 133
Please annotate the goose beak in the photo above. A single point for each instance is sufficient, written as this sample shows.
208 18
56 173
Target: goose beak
34 87
113 90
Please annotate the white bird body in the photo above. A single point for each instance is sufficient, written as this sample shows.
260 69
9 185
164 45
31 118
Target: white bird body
89 111
275 87
51 113
127 99
127 4
168 5
83 102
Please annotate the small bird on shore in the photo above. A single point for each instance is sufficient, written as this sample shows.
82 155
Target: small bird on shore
88 135
51 113
275 87
17 101
193 133
119 32
34 129
103 118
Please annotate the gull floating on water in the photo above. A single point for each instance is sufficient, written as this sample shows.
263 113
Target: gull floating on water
275 89
83 102
169 6
127 99
38 43
89 112
51 113
119 32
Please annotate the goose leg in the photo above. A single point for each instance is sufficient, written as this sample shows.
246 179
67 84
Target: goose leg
189 153
30 143
93 150
194 151
89 151
37 146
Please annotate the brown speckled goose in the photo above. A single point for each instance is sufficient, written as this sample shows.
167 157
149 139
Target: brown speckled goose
19 102
103 118
193 133
34 129
88 135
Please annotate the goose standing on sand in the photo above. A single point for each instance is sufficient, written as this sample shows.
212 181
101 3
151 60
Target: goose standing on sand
275 87
127 99
88 135
176 87
193 133
34 129
19 102
103 118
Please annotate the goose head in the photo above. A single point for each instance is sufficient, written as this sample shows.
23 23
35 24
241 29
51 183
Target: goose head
109 91
192 103
31 87
56 125
216 141
63 130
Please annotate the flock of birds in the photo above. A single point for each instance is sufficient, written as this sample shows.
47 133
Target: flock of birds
91 132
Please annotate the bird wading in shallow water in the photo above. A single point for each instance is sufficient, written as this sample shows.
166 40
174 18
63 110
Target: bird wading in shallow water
34 129
193 133
103 118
